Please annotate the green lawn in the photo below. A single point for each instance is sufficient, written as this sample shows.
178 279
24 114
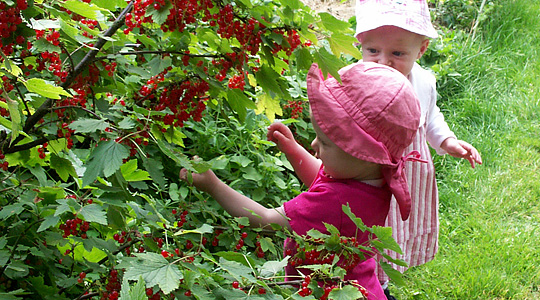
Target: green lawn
490 216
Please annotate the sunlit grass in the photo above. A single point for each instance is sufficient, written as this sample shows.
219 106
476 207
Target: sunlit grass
490 216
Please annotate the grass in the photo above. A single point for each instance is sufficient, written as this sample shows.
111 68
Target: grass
490 216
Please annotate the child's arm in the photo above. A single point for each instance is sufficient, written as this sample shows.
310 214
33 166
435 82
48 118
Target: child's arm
236 204
305 165
461 149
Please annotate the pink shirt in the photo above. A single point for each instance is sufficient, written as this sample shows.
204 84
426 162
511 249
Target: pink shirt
323 202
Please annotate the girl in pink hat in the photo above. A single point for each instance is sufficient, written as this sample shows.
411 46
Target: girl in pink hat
396 33
362 127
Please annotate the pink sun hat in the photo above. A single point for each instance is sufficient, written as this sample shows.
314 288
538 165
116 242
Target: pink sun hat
373 115
411 15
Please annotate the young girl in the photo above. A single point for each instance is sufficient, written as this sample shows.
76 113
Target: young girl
362 127
396 34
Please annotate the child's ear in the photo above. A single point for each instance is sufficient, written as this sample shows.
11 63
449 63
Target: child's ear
423 48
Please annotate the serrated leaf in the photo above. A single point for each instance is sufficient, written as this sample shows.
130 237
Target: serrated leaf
84 125
159 16
154 270
347 292
328 63
239 102
333 24
44 24
39 86
357 221
15 116
237 270
268 79
127 123
384 234
82 8
48 222
342 43
131 172
11 68
105 159
271 268
395 276
251 173
94 213
62 166
270 106
205 228
137 292
11 210
304 59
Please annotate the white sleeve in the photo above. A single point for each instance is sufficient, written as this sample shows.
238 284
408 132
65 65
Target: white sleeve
437 130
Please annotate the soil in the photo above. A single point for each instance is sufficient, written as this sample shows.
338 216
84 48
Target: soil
342 11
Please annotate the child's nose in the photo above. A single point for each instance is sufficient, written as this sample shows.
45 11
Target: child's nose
385 60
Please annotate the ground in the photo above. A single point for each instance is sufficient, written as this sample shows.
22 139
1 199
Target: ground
342 11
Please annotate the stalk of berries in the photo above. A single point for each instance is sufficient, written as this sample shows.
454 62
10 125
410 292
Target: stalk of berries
296 107
3 164
113 286
76 227
10 19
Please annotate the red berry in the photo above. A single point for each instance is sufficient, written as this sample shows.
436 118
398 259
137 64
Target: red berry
235 284
165 253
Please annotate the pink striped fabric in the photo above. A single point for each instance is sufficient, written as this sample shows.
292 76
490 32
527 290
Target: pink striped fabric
418 235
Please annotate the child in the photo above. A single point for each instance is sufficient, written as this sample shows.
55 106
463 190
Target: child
362 127
396 33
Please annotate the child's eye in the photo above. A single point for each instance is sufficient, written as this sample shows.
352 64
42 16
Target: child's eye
372 51
397 53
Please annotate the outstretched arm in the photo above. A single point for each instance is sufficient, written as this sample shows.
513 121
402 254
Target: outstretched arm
305 165
461 149
236 204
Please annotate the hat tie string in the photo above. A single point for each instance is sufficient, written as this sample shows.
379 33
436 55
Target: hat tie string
412 156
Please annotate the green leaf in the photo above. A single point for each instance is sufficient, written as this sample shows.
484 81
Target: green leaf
239 102
333 24
270 106
45 24
15 116
304 59
137 292
357 221
11 210
395 276
39 86
84 125
271 268
159 16
384 234
48 222
84 9
63 167
342 43
205 228
131 172
154 270
94 213
347 292
237 270
328 63
252 174
268 79
105 159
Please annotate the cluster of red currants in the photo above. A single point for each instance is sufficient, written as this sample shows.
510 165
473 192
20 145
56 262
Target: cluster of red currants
52 59
3 164
41 150
10 18
296 107
184 12
182 216
76 227
113 286
185 100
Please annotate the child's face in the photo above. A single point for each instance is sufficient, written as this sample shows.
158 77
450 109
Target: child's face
340 164
394 47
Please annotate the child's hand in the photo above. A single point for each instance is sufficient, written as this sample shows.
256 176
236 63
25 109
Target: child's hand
202 181
462 149
282 136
